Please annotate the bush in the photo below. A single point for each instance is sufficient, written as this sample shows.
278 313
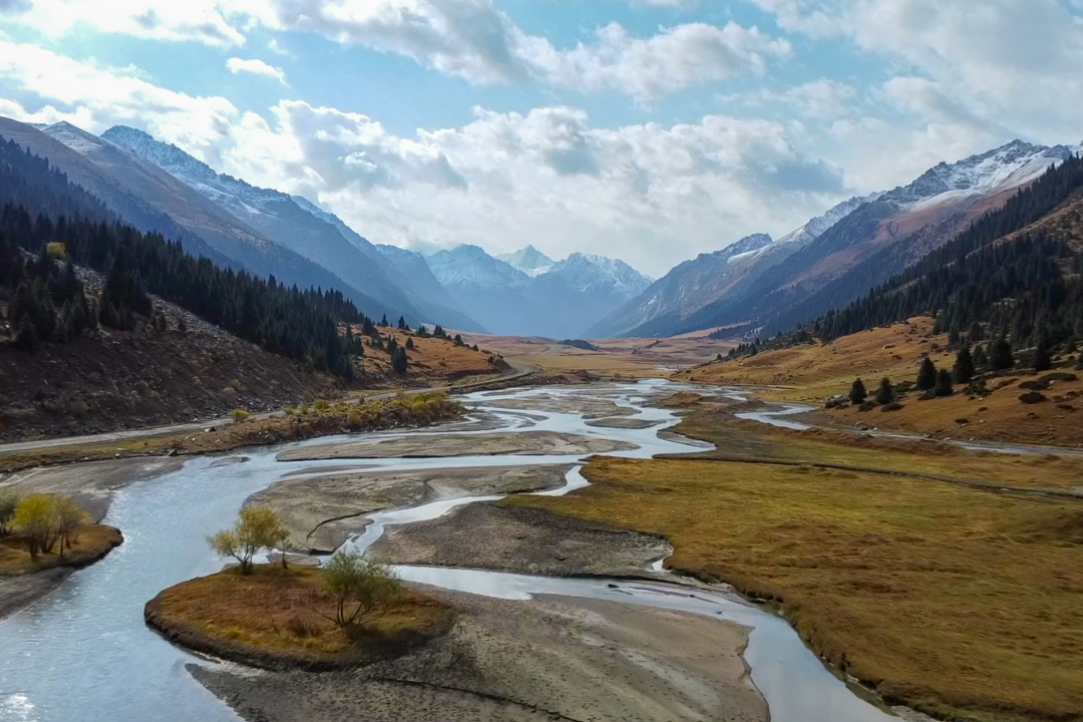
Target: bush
358 586
858 394
885 394
239 416
320 404
9 501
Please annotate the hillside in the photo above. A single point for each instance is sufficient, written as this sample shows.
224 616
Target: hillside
153 201
113 379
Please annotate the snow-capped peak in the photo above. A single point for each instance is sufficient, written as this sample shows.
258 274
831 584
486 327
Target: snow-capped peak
1008 166
588 273
529 260
818 225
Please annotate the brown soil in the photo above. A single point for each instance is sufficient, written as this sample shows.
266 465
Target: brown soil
278 619
549 659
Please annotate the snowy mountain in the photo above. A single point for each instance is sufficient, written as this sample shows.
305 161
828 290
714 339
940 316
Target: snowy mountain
835 257
541 298
295 223
529 260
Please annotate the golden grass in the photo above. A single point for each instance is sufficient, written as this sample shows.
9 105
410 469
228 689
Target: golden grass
750 439
276 616
93 543
961 603
818 371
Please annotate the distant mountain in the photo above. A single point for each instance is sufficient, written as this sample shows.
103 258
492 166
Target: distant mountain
529 260
277 216
558 300
836 257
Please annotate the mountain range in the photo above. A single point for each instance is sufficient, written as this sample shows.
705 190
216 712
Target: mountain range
755 285
527 293
834 258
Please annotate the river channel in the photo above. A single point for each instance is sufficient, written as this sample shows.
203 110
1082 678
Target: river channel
84 654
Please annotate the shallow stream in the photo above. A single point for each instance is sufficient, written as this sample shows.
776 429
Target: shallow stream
84 654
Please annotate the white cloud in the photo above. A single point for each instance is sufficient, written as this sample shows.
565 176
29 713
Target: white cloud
256 67
43 86
822 99
472 39
649 68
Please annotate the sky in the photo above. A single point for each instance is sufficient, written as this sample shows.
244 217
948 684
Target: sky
647 130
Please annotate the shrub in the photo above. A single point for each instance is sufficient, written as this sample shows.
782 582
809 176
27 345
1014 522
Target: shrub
320 404
357 586
36 518
239 416
858 394
885 394
56 251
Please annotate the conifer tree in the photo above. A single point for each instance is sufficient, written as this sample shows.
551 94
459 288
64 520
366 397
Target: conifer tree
858 394
1000 357
1042 360
926 375
383 321
943 383
402 324
963 370
885 394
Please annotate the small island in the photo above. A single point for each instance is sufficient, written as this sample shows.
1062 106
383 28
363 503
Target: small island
282 616
43 538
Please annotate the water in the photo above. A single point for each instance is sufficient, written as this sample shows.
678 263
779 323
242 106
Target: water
84 653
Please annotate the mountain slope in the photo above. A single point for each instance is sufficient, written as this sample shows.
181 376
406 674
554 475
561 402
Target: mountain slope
426 291
841 255
529 260
274 215
151 200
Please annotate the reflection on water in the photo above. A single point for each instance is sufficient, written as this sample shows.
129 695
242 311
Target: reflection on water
83 653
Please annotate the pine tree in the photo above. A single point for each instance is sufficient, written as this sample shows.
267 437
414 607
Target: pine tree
858 394
885 394
409 344
399 361
963 370
943 383
1042 360
383 321
402 324
926 375
981 359
1000 357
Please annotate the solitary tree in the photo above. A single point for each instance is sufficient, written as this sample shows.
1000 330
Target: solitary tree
1000 358
402 324
885 394
858 394
409 344
257 528
963 370
927 375
357 586
400 362
943 383
383 321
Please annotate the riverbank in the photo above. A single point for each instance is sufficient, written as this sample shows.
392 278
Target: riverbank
954 601
24 579
552 658
277 618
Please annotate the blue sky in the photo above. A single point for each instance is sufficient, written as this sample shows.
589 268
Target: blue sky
649 130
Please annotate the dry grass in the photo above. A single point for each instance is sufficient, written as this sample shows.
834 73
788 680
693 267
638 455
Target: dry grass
818 370
94 543
750 439
432 361
965 604
277 617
